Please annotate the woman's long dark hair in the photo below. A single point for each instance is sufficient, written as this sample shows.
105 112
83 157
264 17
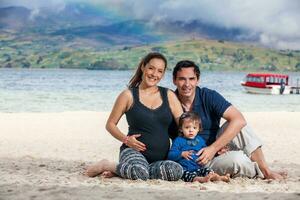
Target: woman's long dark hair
137 77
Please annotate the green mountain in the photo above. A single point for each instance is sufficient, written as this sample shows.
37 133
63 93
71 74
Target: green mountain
210 54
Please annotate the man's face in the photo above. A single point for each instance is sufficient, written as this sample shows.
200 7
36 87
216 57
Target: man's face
186 82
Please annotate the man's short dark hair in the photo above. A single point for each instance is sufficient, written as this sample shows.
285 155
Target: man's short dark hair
186 64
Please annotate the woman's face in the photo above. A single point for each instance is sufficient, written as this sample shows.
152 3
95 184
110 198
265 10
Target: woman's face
153 71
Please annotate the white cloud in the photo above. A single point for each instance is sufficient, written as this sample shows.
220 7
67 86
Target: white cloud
276 21
33 4
35 12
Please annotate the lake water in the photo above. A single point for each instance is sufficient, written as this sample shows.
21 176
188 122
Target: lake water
59 90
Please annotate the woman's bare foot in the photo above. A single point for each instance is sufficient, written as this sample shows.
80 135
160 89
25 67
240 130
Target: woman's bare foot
100 167
108 174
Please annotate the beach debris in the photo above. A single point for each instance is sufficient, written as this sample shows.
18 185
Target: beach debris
202 188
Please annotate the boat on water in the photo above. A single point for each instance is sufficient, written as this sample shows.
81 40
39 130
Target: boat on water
260 83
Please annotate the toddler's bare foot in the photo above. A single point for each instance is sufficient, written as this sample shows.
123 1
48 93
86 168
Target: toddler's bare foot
200 179
212 177
98 168
225 178
216 177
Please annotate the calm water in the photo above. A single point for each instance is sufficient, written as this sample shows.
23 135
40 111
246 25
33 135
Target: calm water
60 90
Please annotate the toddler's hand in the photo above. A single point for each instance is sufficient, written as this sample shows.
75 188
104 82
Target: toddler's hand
187 155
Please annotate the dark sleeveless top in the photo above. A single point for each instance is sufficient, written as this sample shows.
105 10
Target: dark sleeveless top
152 124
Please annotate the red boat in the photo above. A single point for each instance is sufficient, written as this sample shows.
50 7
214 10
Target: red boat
259 83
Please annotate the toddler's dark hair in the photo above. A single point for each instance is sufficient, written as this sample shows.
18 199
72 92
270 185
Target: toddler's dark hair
189 116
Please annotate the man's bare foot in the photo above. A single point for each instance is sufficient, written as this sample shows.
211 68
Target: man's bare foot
283 173
98 168
276 175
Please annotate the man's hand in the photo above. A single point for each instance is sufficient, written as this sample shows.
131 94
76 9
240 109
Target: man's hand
187 155
206 155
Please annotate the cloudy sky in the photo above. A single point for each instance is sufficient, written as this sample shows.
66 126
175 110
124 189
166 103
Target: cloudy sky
277 22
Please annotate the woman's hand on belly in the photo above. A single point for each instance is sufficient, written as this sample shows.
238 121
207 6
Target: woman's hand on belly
132 142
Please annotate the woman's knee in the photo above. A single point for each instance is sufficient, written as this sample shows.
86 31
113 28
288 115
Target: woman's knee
132 171
166 170
139 172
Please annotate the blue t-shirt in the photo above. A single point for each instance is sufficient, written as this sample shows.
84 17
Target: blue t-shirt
181 144
210 106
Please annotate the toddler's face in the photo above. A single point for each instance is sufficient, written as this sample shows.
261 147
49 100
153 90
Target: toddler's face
190 129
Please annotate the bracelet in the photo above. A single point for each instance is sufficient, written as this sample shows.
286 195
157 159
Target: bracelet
125 141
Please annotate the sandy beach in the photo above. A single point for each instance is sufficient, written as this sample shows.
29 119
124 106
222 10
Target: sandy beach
43 155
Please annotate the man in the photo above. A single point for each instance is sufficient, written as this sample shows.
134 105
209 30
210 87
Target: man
245 157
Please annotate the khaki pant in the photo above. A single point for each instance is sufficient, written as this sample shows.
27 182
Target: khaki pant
237 162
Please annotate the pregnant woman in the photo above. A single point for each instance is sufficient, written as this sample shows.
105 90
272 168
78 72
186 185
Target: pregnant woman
150 110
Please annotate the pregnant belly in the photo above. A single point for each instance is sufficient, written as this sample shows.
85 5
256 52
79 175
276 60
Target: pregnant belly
157 147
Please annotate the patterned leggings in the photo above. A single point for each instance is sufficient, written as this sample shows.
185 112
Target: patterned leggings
133 165
188 176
